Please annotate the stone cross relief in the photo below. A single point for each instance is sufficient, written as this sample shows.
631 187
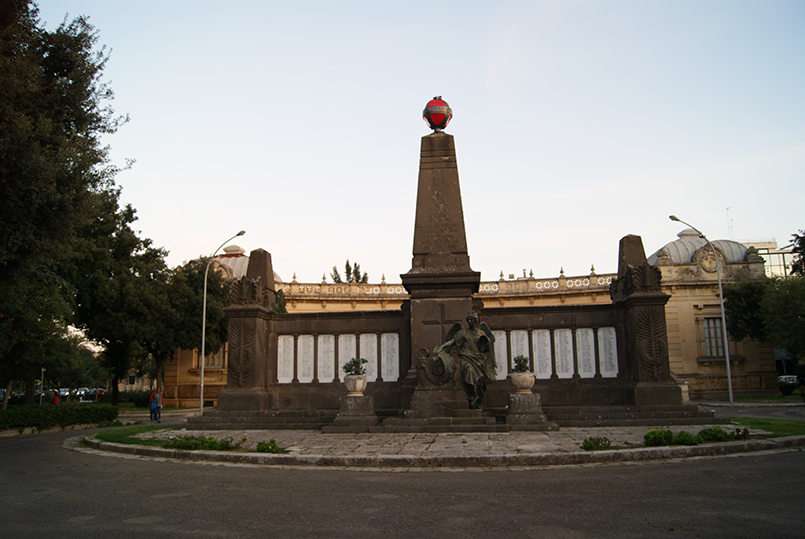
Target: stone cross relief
425 367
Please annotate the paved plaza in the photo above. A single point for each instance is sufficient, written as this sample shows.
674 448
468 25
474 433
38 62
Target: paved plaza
412 451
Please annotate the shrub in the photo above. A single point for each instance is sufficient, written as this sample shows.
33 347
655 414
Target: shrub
684 438
354 366
194 442
46 416
270 447
715 434
521 364
140 399
655 438
786 388
596 443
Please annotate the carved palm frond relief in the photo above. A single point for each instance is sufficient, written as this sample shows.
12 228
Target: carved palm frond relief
241 352
246 291
652 342
645 278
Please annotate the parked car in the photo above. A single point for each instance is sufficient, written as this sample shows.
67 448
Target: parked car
787 379
80 392
90 394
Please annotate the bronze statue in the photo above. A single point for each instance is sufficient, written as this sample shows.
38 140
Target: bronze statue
476 353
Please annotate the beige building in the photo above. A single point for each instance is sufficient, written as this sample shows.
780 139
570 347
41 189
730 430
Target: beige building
696 349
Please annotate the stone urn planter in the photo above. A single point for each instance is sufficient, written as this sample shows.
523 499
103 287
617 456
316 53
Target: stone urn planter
355 384
523 381
355 379
521 376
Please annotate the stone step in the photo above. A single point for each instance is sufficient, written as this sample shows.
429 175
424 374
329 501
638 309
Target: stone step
622 408
616 416
439 421
641 422
258 426
625 415
495 427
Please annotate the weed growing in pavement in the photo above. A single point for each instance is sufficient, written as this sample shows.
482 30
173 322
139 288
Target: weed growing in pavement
270 447
596 443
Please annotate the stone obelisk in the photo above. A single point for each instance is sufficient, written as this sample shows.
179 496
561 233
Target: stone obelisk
440 282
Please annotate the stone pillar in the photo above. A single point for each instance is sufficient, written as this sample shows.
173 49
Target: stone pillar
525 413
642 333
440 282
250 367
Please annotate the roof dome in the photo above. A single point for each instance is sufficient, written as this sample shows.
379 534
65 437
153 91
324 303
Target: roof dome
690 242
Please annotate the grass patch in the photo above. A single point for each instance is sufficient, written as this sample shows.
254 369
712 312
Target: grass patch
126 435
778 427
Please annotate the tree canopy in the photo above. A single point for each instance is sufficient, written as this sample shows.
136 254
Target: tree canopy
798 265
350 272
53 112
68 253
771 310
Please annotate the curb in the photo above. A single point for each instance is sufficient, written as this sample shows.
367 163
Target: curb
483 461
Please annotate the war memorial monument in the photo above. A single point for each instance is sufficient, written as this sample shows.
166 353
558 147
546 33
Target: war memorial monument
440 362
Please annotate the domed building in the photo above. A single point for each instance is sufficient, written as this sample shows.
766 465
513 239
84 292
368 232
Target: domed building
693 314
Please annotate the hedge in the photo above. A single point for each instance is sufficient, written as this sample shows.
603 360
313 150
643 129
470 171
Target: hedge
43 416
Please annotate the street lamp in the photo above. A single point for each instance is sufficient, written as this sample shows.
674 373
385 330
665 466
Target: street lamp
721 300
204 320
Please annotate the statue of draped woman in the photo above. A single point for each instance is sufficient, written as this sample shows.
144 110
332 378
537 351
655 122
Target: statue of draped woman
474 347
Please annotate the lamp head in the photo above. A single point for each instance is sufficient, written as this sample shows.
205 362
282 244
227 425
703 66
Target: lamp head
242 232
674 218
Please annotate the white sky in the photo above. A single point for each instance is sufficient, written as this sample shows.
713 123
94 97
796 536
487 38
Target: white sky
576 123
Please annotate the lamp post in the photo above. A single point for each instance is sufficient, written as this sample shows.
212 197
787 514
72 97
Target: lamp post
204 320
721 301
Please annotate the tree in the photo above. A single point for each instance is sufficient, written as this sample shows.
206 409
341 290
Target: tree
742 305
176 320
798 265
784 314
119 282
350 273
53 111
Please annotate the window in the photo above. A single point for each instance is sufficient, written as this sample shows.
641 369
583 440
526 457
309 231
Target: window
713 338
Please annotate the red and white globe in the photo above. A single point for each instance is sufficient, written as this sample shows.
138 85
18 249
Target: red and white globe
437 113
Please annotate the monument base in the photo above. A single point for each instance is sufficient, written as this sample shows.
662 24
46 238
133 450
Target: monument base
356 414
236 400
439 401
657 394
525 413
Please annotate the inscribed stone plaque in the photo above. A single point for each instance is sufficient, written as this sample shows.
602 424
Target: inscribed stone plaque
501 355
563 344
390 357
346 351
519 339
285 359
542 353
326 357
304 358
368 343
585 350
608 352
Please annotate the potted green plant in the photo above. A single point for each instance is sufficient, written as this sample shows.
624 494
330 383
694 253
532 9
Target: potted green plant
522 377
355 379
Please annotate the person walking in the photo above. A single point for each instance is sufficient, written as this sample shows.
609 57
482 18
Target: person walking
156 405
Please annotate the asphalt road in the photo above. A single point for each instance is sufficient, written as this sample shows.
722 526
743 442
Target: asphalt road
51 491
